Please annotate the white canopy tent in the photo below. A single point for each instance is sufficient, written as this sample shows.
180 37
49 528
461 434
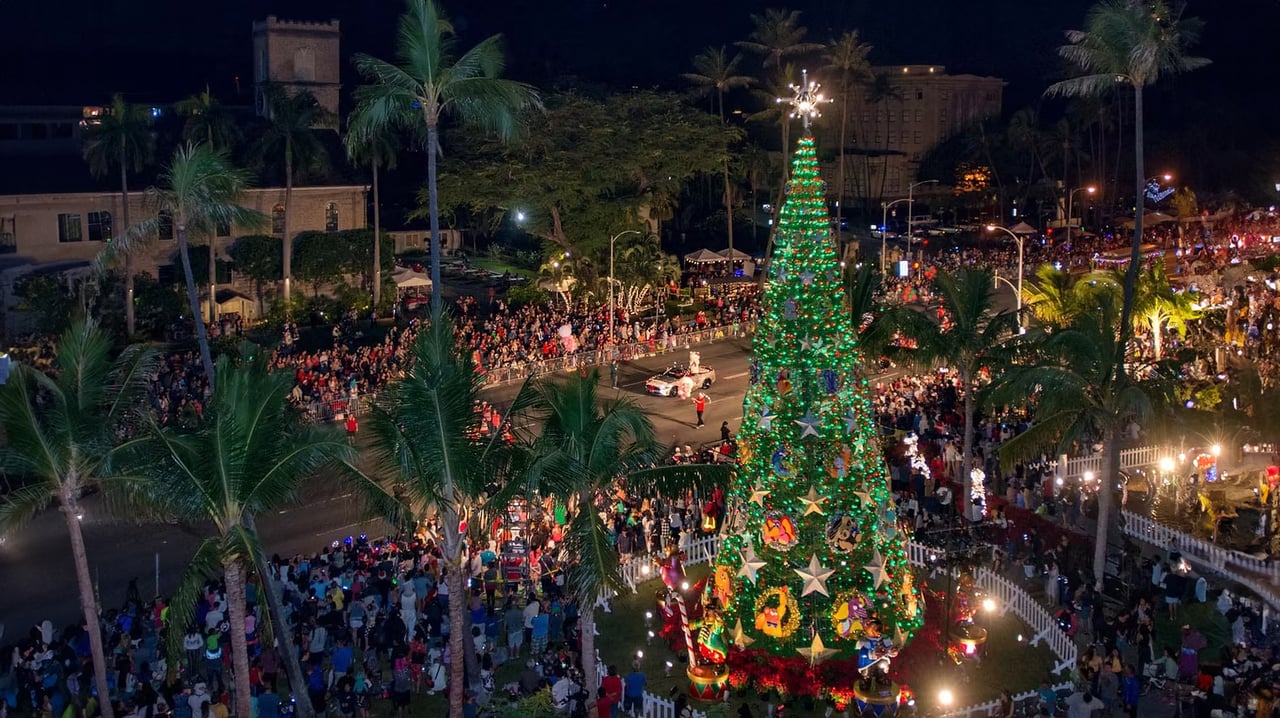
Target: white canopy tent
407 278
703 256
735 255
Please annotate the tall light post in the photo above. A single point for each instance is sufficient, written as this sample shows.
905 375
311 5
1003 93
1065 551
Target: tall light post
884 228
911 206
613 239
1070 197
1018 289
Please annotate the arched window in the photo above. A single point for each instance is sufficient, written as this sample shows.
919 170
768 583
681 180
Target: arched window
331 217
277 219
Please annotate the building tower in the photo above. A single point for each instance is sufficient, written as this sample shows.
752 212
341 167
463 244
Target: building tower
299 56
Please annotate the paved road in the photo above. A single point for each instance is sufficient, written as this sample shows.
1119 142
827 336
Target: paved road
36 568
35 564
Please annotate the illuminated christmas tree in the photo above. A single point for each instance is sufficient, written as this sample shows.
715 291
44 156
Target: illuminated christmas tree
815 568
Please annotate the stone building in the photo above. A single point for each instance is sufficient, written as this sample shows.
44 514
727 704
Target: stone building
299 56
890 131
66 232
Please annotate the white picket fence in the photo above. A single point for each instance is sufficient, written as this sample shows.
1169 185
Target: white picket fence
1246 569
1136 458
1009 595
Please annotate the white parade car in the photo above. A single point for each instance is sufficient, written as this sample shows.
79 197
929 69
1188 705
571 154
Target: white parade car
668 382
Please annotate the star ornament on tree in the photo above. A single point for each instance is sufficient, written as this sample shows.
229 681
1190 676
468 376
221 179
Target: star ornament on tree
751 564
808 424
740 637
758 495
813 502
876 568
766 419
816 652
815 577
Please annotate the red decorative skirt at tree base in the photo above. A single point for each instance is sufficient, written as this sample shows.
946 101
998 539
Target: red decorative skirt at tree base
708 682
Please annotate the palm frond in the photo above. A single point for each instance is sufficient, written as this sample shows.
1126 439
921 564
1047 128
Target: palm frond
596 570
19 506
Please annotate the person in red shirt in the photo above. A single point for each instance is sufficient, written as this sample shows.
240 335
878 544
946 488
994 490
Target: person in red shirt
610 694
700 405
352 427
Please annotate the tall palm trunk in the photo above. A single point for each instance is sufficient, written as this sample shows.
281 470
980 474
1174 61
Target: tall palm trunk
458 633
1111 462
1131 274
88 602
780 198
967 445
377 240
202 332
129 319
728 193
433 205
844 125
284 637
239 648
287 254
1157 335
587 632
213 277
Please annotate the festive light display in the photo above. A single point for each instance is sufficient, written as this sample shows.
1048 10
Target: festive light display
816 559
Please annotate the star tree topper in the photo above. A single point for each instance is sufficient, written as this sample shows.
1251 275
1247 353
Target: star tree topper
805 99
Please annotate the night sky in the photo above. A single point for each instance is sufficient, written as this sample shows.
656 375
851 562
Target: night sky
77 51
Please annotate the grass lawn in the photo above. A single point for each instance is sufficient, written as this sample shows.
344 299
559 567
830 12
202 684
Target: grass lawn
1009 663
1206 619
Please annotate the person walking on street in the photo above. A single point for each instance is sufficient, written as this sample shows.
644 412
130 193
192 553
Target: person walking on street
724 432
700 405
352 427
613 373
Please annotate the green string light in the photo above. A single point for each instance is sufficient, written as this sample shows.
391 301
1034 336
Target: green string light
808 425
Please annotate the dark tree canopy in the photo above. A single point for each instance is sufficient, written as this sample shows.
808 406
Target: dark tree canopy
588 167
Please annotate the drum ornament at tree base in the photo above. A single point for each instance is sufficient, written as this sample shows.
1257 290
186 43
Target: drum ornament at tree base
708 682
965 641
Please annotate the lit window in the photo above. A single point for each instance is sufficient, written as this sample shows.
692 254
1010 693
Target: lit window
69 228
331 217
99 226
277 219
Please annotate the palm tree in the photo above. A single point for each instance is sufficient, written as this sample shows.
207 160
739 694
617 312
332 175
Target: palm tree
877 323
715 73
1082 392
880 89
121 138
375 150
60 431
847 56
973 340
431 81
198 192
289 136
421 428
775 111
1157 306
248 456
777 35
209 121
1134 43
586 444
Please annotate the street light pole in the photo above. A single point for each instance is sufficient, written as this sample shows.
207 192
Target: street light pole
1016 238
613 239
911 206
1070 198
884 229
